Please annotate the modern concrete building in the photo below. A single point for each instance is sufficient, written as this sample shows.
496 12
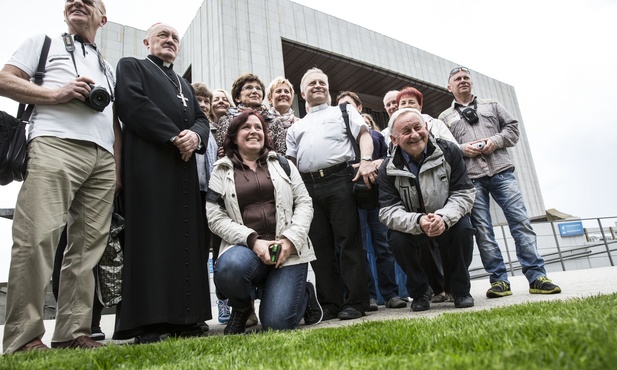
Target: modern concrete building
281 38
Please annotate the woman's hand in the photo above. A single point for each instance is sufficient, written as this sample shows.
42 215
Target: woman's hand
261 249
287 249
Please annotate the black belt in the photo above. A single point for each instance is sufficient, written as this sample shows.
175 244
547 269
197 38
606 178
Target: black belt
324 172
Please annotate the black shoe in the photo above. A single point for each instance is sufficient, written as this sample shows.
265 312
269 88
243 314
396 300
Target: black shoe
350 313
188 331
372 305
422 303
498 289
151 337
97 334
329 315
463 302
237 321
396 302
313 313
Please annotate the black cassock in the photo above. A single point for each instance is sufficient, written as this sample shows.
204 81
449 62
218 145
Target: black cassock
165 276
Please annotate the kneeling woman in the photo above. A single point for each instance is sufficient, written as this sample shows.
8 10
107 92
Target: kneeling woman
254 203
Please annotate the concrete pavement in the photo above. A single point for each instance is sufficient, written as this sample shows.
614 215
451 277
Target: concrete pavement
574 284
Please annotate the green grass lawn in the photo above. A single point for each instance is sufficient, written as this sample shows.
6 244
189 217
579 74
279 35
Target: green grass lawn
573 334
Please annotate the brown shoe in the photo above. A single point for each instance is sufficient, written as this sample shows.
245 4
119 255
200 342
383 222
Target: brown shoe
80 342
34 345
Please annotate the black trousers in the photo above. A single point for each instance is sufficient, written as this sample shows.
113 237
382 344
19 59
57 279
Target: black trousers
456 246
336 222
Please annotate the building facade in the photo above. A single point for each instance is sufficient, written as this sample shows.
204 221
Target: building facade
273 38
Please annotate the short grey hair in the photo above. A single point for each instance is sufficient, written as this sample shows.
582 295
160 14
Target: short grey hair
396 114
310 72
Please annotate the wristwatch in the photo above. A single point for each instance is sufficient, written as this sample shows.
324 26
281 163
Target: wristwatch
367 158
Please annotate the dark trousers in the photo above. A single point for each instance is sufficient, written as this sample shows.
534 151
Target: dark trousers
456 244
335 222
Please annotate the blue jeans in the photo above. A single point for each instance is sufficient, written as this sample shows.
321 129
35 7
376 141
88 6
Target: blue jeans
386 280
283 292
504 190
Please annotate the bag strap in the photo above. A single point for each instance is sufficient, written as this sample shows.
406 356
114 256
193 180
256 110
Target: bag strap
38 79
284 162
354 143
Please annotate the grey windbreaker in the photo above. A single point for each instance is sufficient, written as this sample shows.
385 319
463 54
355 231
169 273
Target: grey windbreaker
445 188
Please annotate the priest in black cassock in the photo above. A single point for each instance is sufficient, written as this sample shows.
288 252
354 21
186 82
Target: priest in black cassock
165 289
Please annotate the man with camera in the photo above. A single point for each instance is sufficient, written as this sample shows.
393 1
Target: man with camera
424 195
70 180
485 129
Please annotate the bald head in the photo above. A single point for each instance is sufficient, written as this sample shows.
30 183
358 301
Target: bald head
389 102
163 41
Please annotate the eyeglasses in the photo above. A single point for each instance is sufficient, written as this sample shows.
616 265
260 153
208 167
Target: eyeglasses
251 88
458 69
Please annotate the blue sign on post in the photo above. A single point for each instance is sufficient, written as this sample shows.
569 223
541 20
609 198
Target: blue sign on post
571 228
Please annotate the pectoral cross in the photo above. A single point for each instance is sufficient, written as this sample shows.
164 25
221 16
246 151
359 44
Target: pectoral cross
183 98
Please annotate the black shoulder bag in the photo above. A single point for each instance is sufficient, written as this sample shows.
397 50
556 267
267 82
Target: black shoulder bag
365 198
13 140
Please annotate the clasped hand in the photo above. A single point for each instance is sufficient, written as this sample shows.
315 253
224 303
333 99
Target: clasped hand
186 142
261 249
432 224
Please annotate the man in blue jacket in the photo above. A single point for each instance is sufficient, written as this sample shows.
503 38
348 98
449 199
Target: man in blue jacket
424 192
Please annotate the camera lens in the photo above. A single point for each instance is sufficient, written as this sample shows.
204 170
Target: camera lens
99 98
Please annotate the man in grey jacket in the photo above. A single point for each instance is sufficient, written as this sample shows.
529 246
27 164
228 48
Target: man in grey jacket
424 192
485 129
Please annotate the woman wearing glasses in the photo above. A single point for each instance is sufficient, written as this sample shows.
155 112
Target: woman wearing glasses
248 93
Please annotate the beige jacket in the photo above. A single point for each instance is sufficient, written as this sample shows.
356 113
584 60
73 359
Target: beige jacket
294 209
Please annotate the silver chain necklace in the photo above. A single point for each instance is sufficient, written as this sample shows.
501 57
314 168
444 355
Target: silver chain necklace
178 86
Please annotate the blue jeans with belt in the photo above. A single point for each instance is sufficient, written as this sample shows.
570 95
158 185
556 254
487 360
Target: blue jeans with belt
282 291
504 189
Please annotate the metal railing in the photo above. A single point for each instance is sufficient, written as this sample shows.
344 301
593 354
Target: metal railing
603 252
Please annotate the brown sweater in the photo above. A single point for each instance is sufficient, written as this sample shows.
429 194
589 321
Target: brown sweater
256 201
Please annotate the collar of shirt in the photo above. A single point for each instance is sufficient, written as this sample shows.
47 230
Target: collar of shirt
160 61
413 166
457 104
318 107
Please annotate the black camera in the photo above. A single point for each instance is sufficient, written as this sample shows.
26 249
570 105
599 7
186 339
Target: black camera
470 115
98 98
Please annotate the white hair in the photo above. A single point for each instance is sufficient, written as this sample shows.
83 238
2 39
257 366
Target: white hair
401 111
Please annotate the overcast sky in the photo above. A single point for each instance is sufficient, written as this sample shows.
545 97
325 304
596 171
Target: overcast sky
560 56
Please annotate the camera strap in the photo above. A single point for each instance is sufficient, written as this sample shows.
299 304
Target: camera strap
458 108
69 45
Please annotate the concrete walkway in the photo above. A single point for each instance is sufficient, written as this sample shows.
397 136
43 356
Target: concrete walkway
574 284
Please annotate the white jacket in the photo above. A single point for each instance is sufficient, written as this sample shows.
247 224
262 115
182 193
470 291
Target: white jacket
294 209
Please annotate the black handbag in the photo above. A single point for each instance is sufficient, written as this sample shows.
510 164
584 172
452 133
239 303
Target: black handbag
13 133
365 198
